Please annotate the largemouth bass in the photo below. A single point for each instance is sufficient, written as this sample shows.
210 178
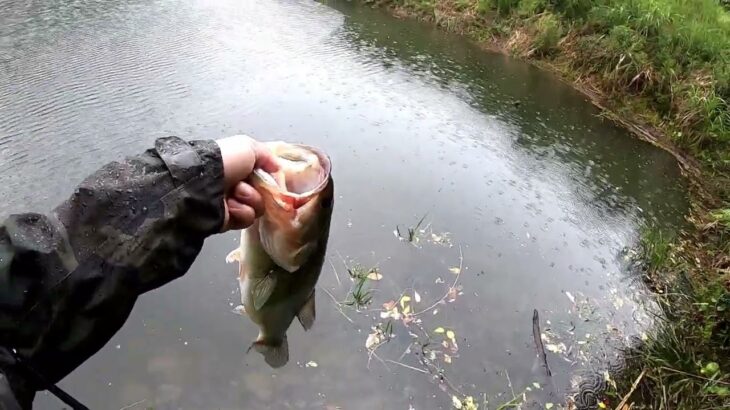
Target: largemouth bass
281 255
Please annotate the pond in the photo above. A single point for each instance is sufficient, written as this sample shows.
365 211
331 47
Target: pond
527 199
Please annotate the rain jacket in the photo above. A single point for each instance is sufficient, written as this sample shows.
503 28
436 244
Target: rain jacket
69 279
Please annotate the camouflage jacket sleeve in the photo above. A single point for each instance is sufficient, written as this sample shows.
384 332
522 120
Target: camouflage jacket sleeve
69 279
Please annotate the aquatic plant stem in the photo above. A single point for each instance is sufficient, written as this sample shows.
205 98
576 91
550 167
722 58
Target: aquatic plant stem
458 274
693 375
407 366
337 304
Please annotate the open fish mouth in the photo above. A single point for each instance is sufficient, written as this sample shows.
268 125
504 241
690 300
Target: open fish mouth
296 199
304 172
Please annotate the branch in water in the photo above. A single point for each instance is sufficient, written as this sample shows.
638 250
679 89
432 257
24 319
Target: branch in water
538 341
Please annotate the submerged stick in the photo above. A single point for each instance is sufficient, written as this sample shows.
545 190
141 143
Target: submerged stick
538 341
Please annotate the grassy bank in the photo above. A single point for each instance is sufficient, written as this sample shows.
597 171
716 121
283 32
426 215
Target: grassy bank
661 68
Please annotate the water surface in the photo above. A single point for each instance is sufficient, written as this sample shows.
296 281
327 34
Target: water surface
539 194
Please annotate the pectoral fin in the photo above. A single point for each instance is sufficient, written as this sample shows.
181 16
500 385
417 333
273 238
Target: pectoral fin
262 290
306 314
234 256
275 355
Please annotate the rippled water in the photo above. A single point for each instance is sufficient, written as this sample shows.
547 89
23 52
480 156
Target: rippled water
537 191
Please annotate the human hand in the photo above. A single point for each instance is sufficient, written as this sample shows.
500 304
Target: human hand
241 155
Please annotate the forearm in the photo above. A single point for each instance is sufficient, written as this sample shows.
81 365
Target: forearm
130 227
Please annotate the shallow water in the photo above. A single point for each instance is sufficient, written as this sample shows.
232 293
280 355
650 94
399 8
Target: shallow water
538 193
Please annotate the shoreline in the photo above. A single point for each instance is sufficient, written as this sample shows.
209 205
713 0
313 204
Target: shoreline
688 274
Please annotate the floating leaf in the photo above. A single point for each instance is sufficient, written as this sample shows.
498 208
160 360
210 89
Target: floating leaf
311 364
407 310
403 300
456 402
417 297
439 330
470 404
450 334
372 340
601 404
435 311
375 275
536 384
391 313
455 270
548 406
452 294
447 358
555 348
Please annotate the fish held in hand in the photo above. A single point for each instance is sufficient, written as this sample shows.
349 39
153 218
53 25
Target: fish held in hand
281 255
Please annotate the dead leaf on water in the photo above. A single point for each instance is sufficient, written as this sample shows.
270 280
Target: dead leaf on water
375 275
455 270
556 348
439 330
393 312
456 402
416 297
450 334
447 358
372 340
311 364
452 294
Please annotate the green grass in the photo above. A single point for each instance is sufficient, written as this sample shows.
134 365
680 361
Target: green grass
683 361
360 295
412 233
655 248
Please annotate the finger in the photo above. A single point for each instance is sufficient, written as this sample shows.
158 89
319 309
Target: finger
265 159
247 195
241 216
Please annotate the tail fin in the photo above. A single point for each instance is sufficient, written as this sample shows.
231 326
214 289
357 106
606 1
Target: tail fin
275 354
